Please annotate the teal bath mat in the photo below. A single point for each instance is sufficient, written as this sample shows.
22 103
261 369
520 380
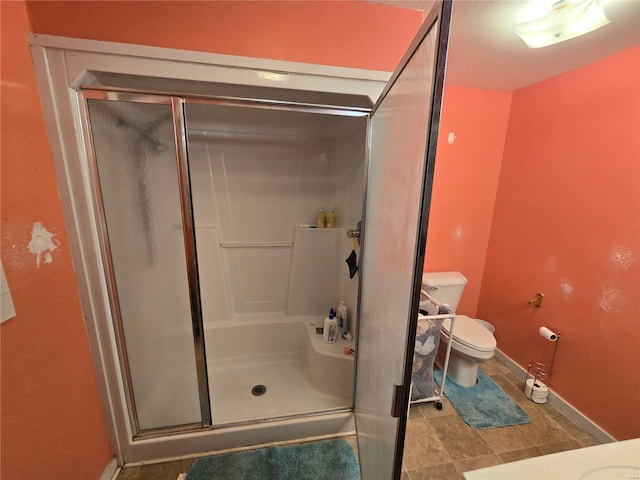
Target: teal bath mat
326 460
484 405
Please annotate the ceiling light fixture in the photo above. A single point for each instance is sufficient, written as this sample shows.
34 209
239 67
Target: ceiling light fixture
546 23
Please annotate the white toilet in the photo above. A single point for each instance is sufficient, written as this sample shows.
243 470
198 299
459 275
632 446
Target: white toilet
472 342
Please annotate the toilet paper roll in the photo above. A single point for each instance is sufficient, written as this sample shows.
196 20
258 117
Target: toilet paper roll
536 391
548 334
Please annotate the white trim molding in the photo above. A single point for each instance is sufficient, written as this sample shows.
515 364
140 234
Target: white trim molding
564 407
111 471
85 56
7 309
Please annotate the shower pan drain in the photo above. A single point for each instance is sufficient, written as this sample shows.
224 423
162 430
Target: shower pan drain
258 390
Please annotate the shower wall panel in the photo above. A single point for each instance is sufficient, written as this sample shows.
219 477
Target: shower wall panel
315 269
347 177
213 287
348 185
252 191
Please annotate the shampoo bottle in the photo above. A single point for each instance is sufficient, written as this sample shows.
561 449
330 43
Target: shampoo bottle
321 219
330 330
342 318
330 218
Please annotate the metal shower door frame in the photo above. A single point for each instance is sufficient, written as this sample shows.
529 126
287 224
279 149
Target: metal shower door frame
178 103
188 228
437 21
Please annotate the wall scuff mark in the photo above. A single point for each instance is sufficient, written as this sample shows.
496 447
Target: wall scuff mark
42 243
611 298
622 257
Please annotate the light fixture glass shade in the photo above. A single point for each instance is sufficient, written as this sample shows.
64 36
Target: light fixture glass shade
560 21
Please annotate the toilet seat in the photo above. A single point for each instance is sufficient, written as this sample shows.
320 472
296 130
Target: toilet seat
470 333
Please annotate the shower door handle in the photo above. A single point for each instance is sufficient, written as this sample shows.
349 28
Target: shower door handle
355 232
396 400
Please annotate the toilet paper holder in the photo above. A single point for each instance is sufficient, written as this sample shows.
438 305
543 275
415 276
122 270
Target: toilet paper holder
536 384
538 379
537 301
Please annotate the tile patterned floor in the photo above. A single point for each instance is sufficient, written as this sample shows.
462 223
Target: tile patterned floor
440 446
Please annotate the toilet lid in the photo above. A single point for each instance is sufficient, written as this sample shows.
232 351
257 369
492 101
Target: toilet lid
470 333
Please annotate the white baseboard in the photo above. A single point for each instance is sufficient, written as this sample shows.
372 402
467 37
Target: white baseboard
110 471
560 403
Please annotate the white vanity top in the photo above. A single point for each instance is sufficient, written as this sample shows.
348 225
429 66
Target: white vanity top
617 460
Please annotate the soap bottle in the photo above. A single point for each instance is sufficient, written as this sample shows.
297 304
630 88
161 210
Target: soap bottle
330 330
330 218
342 318
321 219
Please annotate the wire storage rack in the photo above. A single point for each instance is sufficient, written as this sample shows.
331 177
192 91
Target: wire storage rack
423 388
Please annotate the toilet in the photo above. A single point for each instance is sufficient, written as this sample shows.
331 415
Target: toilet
472 342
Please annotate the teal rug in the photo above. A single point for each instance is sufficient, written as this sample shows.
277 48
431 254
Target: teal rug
485 405
326 460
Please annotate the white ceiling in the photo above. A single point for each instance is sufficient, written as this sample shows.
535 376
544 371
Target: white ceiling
484 52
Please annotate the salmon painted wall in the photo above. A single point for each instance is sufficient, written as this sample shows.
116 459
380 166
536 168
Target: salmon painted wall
52 422
465 184
345 33
467 170
567 224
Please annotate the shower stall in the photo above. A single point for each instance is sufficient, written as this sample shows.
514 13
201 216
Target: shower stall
190 184
216 237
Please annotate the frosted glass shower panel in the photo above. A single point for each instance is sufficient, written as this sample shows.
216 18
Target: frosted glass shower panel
136 162
395 184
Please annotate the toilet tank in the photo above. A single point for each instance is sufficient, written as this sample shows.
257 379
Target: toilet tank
444 287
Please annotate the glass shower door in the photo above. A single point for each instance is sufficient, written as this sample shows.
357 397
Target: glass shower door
143 205
404 128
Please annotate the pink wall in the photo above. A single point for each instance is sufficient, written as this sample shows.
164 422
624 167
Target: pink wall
345 33
467 171
52 423
567 224
465 184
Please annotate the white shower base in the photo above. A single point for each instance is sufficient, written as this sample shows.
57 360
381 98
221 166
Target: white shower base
288 389
282 353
